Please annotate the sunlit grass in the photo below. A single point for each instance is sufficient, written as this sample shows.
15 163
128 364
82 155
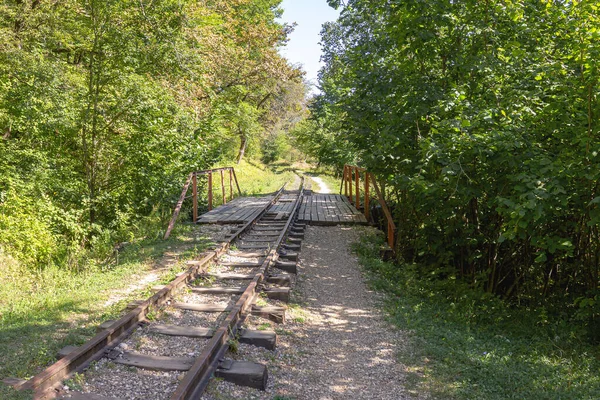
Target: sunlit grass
463 344
55 307
43 311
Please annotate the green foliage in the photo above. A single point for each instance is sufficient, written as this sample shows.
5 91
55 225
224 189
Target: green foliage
106 106
44 310
480 118
467 344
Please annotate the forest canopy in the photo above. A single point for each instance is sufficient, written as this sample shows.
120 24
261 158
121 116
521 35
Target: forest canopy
107 105
482 119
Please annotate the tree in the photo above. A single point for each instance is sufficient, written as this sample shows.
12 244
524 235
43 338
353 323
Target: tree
480 116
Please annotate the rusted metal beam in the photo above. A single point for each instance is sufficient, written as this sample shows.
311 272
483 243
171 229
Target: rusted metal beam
357 181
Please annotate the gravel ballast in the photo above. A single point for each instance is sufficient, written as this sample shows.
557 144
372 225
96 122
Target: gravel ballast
336 343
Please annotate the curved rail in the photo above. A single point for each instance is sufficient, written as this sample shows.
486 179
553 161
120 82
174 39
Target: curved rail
43 383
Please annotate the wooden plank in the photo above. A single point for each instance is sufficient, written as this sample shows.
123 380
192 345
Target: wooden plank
241 264
202 307
258 240
177 330
218 290
85 396
282 279
156 363
249 254
239 277
266 339
261 235
279 293
287 266
243 373
275 314
251 246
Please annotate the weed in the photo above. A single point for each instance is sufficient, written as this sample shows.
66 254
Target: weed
264 326
261 302
8 393
283 332
76 382
234 345
464 344
204 281
152 314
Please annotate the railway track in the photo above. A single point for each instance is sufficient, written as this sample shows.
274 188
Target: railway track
178 338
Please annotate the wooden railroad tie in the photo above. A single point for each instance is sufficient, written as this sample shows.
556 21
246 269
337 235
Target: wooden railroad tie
283 279
287 266
243 373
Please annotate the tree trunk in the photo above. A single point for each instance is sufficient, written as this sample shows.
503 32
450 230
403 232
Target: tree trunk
244 142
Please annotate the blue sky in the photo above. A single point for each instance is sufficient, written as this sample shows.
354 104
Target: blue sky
303 47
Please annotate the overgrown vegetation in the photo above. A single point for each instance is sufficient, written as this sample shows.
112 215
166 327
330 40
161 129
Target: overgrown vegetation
481 118
43 310
106 106
468 344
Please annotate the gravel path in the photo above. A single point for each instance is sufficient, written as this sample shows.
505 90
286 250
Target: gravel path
336 343
323 188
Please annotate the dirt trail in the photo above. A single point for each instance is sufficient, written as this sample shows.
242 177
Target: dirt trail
323 188
336 343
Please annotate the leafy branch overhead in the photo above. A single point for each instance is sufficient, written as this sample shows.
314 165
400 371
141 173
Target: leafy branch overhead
482 118
117 100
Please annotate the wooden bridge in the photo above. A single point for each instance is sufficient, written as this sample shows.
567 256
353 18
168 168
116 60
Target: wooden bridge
316 209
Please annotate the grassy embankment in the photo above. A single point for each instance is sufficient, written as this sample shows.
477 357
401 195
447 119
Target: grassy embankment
45 310
469 345
310 171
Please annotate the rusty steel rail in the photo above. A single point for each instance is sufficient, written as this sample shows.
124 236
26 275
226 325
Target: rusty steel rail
193 179
43 383
196 380
351 185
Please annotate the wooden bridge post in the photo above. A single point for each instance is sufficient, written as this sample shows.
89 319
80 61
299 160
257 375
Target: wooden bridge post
236 181
345 180
367 195
357 181
178 206
350 183
210 191
223 187
230 184
195 197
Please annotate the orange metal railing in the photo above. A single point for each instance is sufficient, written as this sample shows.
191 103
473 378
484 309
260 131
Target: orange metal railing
193 180
351 184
